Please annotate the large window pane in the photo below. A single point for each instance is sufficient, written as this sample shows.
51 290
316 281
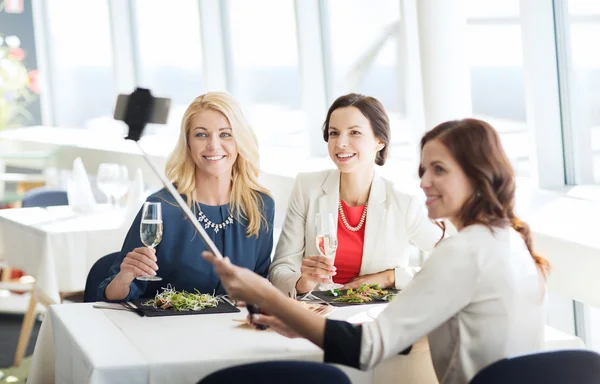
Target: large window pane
81 74
584 29
169 49
494 48
363 49
264 52
265 74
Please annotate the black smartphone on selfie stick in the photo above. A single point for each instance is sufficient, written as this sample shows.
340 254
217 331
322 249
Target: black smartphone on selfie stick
139 109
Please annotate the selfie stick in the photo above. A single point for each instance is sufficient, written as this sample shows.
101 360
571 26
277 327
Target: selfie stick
137 115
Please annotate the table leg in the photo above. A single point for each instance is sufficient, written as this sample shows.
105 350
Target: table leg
26 328
6 274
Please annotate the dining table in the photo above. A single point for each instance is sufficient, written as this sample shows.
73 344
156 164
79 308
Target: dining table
57 246
89 343
79 343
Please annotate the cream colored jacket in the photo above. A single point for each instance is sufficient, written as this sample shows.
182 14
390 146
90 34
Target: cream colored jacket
393 219
479 298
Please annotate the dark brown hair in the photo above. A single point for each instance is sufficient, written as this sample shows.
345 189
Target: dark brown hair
373 110
477 148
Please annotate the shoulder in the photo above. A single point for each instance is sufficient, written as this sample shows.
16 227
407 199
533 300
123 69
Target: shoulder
167 201
268 202
473 239
162 195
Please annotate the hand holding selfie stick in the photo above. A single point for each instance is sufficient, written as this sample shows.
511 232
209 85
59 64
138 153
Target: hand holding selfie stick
139 109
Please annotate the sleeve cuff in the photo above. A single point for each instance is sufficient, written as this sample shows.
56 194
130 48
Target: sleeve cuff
341 344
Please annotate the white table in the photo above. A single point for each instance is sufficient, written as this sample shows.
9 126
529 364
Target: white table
81 344
58 247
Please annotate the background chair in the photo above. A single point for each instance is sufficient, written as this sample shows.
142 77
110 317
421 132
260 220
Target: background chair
45 197
272 372
555 367
97 274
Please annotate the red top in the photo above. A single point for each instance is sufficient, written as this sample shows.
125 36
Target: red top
348 256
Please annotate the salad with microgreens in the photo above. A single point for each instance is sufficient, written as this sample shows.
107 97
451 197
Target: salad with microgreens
182 301
363 294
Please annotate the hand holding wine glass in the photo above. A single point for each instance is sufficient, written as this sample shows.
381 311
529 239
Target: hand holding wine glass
326 241
151 230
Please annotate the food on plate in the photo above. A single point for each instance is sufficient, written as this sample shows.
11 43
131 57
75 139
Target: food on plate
169 298
363 294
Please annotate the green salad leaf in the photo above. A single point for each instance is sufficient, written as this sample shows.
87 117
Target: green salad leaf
182 301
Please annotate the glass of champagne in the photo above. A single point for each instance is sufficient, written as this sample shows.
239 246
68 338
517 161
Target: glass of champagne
327 243
151 230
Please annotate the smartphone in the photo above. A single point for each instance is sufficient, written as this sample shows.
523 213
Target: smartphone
160 109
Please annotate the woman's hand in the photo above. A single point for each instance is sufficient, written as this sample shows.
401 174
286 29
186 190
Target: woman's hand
385 279
269 321
139 262
315 269
241 283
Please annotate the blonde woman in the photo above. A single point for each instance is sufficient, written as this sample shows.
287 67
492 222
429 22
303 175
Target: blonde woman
214 166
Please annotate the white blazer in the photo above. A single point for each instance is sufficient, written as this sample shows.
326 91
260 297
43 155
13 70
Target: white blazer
479 298
393 219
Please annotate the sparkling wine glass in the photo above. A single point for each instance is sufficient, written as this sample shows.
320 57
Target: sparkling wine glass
327 243
151 230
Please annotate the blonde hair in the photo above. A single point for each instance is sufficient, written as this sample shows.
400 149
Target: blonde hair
246 201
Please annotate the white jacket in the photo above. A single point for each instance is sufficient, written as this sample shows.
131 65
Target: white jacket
479 297
393 219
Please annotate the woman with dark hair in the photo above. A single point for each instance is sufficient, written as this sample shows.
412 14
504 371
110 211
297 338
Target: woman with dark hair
480 296
373 220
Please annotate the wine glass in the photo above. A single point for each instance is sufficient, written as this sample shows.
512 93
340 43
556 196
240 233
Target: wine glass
121 183
105 179
151 230
327 243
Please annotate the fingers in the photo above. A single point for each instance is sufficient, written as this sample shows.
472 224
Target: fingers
141 261
353 284
210 257
327 261
273 323
314 268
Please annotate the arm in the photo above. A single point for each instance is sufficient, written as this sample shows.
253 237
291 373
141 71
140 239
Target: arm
264 245
287 261
118 287
443 287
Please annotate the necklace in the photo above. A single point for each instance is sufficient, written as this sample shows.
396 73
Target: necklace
209 224
360 223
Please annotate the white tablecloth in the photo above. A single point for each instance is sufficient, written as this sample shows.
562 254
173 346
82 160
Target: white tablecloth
81 344
58 246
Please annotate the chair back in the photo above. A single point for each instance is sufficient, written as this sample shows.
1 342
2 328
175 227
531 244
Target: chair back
272 372
553 367
97 274
44 197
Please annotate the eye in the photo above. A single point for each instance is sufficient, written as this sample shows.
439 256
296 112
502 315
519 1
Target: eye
201 134
438 170
226 134
421 171
333 133
355 133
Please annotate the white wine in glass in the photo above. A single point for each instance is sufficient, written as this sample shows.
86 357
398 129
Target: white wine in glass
327 243
151 231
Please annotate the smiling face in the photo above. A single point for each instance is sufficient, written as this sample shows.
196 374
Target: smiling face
211 143
352 144
444 182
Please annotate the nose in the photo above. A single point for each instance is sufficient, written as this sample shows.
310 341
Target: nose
342 141
425 181
213 142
